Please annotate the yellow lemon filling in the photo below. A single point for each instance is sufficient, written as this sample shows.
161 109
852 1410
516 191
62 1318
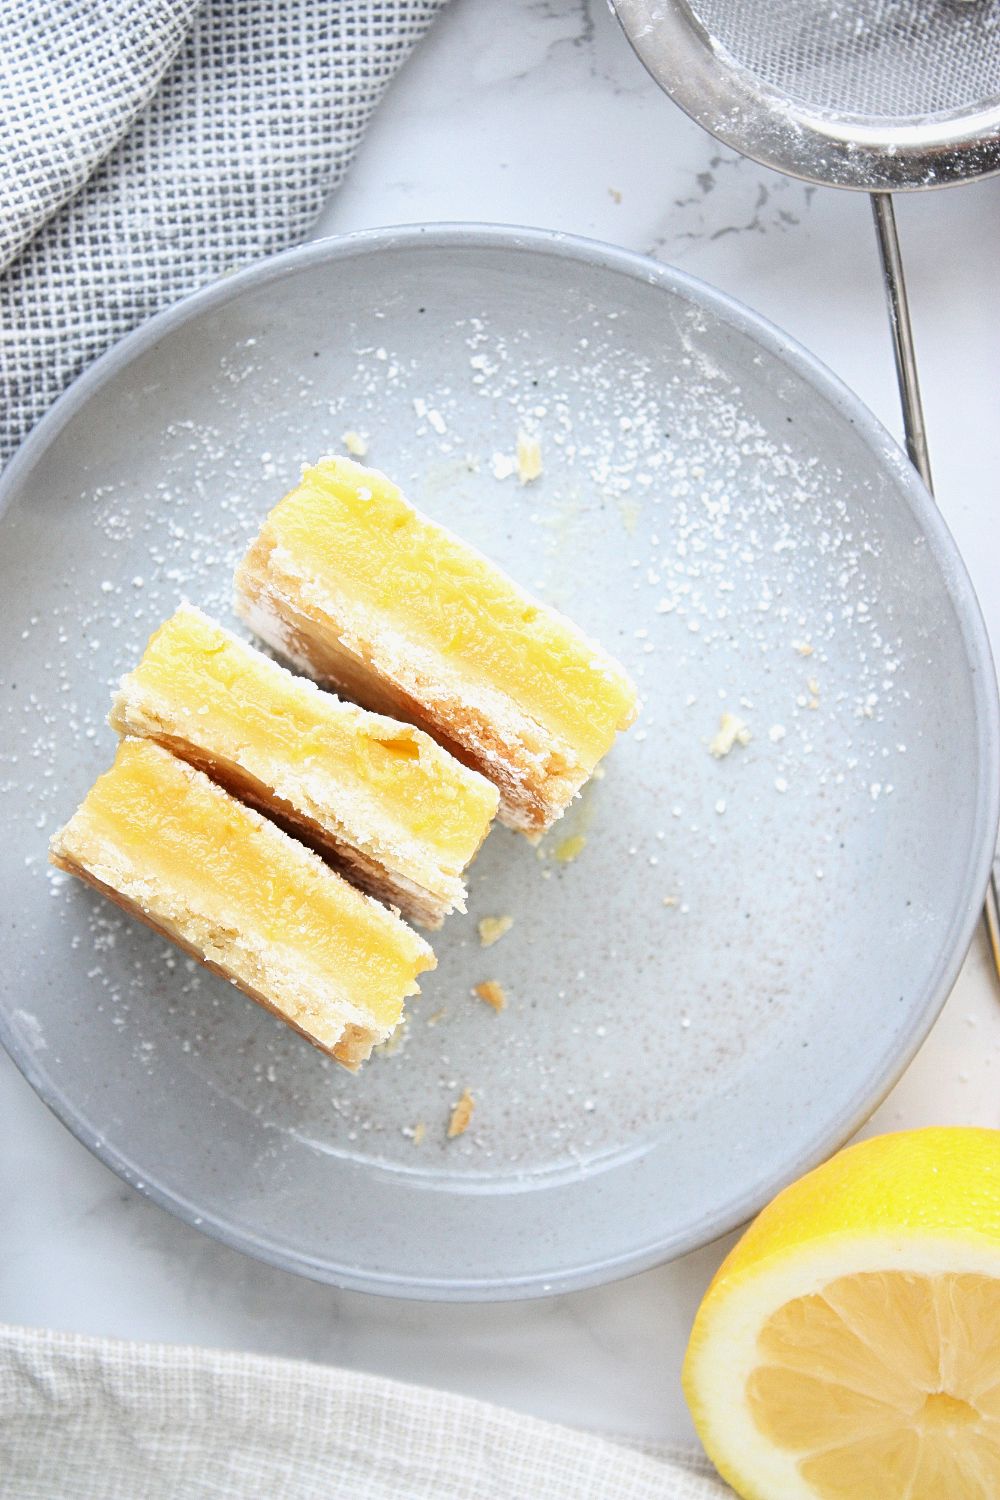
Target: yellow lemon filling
383 784
200 863
350 529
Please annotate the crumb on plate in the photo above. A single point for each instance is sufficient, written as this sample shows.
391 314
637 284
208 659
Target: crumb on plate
732 731
355 443
461 1115
529 458
492 991
492 929
570 848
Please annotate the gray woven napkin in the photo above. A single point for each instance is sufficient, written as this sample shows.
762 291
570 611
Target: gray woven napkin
97 1419
147 146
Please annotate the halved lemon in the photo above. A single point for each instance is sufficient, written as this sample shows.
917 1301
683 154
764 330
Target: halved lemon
849 1346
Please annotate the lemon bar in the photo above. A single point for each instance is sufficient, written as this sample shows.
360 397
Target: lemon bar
353 585
380 799
176 850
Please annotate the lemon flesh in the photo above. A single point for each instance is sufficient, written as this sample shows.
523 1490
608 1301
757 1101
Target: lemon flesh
850 1345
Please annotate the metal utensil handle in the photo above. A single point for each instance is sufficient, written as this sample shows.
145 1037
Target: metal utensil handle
915 431
902 335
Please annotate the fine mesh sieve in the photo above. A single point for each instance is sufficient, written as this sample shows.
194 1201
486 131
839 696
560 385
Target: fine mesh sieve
888 60
875 95
871 94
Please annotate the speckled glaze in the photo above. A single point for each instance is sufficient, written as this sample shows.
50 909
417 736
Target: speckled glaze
716 966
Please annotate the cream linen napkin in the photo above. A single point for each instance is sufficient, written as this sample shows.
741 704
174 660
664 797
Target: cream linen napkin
97 1419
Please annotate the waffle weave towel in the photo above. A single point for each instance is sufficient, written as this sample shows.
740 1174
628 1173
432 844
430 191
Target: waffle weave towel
147 146
96 1419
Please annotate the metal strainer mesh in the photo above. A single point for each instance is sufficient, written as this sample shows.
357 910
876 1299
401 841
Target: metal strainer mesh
879 59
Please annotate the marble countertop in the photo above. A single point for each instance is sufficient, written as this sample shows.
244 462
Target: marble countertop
536 112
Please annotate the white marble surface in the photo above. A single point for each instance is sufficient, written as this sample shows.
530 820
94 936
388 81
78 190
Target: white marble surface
536 112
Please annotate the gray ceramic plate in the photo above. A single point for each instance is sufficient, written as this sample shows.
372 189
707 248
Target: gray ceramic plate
744 953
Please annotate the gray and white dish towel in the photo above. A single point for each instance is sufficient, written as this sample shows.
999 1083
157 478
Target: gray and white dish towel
147 146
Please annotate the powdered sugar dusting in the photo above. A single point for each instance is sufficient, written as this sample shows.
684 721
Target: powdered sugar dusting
697 517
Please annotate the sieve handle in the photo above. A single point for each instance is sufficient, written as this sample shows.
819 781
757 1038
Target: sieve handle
902 335
916 435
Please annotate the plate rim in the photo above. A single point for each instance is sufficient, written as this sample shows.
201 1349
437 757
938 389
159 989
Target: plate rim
828 386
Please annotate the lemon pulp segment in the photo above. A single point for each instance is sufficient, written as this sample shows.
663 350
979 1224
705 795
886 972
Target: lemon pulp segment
886 1378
